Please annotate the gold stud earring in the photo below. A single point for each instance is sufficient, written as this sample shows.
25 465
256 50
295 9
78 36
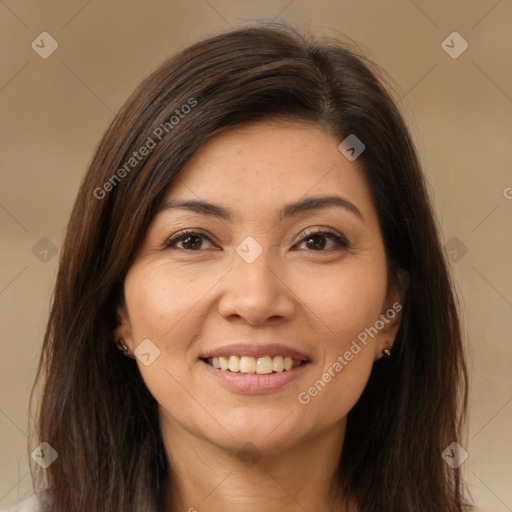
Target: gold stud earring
121 345
386 353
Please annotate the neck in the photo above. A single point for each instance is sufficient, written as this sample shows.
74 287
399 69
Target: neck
207 477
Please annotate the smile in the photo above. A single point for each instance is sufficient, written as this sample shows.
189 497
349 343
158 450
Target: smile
254 383
253 365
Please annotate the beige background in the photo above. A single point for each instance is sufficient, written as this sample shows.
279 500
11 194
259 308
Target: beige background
54 110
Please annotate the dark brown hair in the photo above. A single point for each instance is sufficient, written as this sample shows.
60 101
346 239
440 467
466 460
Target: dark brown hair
95 409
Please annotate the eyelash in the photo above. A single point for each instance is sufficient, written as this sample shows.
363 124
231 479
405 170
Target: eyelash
340 241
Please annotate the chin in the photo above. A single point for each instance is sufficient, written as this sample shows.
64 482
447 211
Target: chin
264 434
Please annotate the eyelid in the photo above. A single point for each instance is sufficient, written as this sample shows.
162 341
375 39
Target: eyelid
316 229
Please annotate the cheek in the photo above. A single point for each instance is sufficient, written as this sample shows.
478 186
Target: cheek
160 301
345 305
343 302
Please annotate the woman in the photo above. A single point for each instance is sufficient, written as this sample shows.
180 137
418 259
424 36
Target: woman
255 235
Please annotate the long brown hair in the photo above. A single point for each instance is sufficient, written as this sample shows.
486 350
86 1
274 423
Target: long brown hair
95 409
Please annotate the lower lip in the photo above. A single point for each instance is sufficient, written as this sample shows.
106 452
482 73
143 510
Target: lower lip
253 384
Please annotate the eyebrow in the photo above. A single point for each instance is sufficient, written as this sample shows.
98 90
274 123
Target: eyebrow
289 210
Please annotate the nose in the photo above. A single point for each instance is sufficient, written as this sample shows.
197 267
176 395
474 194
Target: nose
256 292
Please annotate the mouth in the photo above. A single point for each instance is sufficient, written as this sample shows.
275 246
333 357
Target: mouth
252 368
254 375
248 365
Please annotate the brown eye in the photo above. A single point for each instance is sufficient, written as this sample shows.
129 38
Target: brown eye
191 241
318 240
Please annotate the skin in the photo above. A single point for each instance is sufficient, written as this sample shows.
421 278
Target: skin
316 298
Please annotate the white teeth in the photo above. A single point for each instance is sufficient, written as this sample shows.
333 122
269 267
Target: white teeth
264 365
261 365
234 364
278 364
247 364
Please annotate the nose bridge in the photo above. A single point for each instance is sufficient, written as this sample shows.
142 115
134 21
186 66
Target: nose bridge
253 264
253 271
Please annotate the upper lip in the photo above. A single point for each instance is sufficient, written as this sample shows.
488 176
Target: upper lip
255 350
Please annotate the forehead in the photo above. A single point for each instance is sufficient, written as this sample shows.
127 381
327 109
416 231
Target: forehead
268 163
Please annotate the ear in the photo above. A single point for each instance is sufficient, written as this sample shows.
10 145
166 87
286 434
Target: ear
391 314
123 328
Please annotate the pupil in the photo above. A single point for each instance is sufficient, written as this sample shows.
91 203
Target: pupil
319 245
186 241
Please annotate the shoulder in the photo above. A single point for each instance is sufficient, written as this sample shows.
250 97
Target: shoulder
29 504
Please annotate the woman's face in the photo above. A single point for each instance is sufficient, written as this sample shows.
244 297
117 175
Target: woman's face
251 279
